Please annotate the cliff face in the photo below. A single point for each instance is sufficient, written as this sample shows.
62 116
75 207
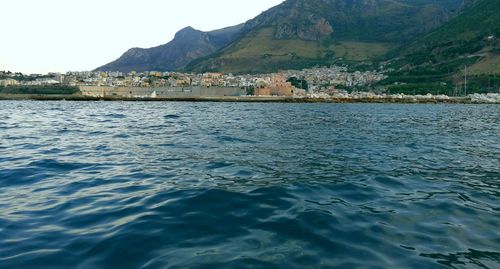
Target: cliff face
187 45
312 29
380 20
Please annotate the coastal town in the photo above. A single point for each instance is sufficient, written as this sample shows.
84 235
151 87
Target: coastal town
334 82
329 80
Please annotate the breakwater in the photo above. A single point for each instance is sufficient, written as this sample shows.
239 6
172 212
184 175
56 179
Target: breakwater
251 99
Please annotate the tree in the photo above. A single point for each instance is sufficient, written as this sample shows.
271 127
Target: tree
298 83
251 90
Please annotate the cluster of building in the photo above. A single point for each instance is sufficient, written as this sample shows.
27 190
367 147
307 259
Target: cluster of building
266 83
333 79
18 79
8 79
323 80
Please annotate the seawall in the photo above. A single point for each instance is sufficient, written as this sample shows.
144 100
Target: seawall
161 92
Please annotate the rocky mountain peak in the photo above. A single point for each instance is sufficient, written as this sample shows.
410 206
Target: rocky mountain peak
187 31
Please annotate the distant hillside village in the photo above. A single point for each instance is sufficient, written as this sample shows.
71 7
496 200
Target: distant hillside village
329 80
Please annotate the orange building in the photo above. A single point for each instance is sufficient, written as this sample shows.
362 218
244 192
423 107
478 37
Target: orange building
278 87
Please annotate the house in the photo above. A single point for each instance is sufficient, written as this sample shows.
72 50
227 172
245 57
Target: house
8 82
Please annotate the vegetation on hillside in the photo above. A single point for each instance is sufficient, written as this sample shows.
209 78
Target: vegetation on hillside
438 60
298 83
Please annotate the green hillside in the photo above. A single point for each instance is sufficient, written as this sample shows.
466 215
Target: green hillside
439 58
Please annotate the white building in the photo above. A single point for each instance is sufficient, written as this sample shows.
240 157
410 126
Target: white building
8 82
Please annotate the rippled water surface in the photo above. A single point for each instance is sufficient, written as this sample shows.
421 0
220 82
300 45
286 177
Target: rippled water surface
233 185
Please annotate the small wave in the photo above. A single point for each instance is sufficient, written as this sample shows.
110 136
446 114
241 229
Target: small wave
116 116
171 117
226 138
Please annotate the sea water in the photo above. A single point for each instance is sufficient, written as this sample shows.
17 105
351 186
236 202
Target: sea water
248 185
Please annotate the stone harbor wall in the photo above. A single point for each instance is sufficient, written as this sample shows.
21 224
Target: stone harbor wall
161 92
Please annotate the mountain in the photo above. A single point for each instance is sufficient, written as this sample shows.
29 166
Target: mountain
301 33
187 45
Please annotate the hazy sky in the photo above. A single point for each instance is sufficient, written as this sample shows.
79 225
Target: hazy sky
39 36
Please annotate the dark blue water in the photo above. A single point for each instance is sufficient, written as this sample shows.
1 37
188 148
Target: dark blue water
222 185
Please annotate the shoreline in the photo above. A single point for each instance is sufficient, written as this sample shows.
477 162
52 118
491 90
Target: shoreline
247 99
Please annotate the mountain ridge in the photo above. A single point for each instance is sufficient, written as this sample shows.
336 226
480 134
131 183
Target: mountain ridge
188 44
300 33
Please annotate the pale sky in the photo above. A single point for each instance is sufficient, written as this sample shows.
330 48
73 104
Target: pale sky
40 36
